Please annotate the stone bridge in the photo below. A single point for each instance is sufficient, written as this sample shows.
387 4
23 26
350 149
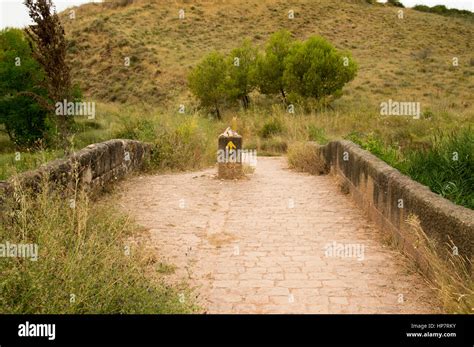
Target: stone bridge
281 241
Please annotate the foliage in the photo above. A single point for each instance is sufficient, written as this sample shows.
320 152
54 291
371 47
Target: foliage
49 49
376 146
207 81
23 117
315 69
317 134
270 66
183 147
242 62
395 3
443 10
447 166
311 69
271 127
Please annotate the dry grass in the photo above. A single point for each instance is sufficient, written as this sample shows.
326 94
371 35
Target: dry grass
89 260
450 275
220 239
305 157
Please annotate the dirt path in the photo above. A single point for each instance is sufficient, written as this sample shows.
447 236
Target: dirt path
259 245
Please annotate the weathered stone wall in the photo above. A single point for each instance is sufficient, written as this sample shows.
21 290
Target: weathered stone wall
380 190
91 168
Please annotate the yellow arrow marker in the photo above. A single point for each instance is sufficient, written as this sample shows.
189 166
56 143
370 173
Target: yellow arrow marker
230 145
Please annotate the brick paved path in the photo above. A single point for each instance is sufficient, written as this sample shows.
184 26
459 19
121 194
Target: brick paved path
258 245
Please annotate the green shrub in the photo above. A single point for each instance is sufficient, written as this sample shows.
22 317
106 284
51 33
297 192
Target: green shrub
444 11
182 147
395 3
315 69
134 128
271 66
242 69
271 127
207 81
23 117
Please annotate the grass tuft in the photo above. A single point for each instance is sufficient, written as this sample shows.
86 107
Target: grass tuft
305 157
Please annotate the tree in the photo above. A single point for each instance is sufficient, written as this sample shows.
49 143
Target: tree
314 68
49 48
242 68
271 65
23 117
207 81
395 3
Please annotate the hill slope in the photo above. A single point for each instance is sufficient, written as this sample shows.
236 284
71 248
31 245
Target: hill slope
404 59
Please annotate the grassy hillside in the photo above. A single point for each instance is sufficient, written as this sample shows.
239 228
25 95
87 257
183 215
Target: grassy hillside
404 59
407 59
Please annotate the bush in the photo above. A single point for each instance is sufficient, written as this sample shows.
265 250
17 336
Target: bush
315 69
311 69
271 66
134 128
395 3
182 148
444 11
208 79
23 117
272 127
242 70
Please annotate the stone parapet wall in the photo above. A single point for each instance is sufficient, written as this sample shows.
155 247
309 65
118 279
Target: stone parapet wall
390 197
91 168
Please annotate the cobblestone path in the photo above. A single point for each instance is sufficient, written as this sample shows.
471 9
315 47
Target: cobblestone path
260 245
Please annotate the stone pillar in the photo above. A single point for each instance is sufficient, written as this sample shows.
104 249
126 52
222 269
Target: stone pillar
229 155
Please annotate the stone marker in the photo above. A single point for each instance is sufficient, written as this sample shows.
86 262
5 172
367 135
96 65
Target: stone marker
229 155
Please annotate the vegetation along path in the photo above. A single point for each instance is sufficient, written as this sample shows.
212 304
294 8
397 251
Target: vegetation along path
260 245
